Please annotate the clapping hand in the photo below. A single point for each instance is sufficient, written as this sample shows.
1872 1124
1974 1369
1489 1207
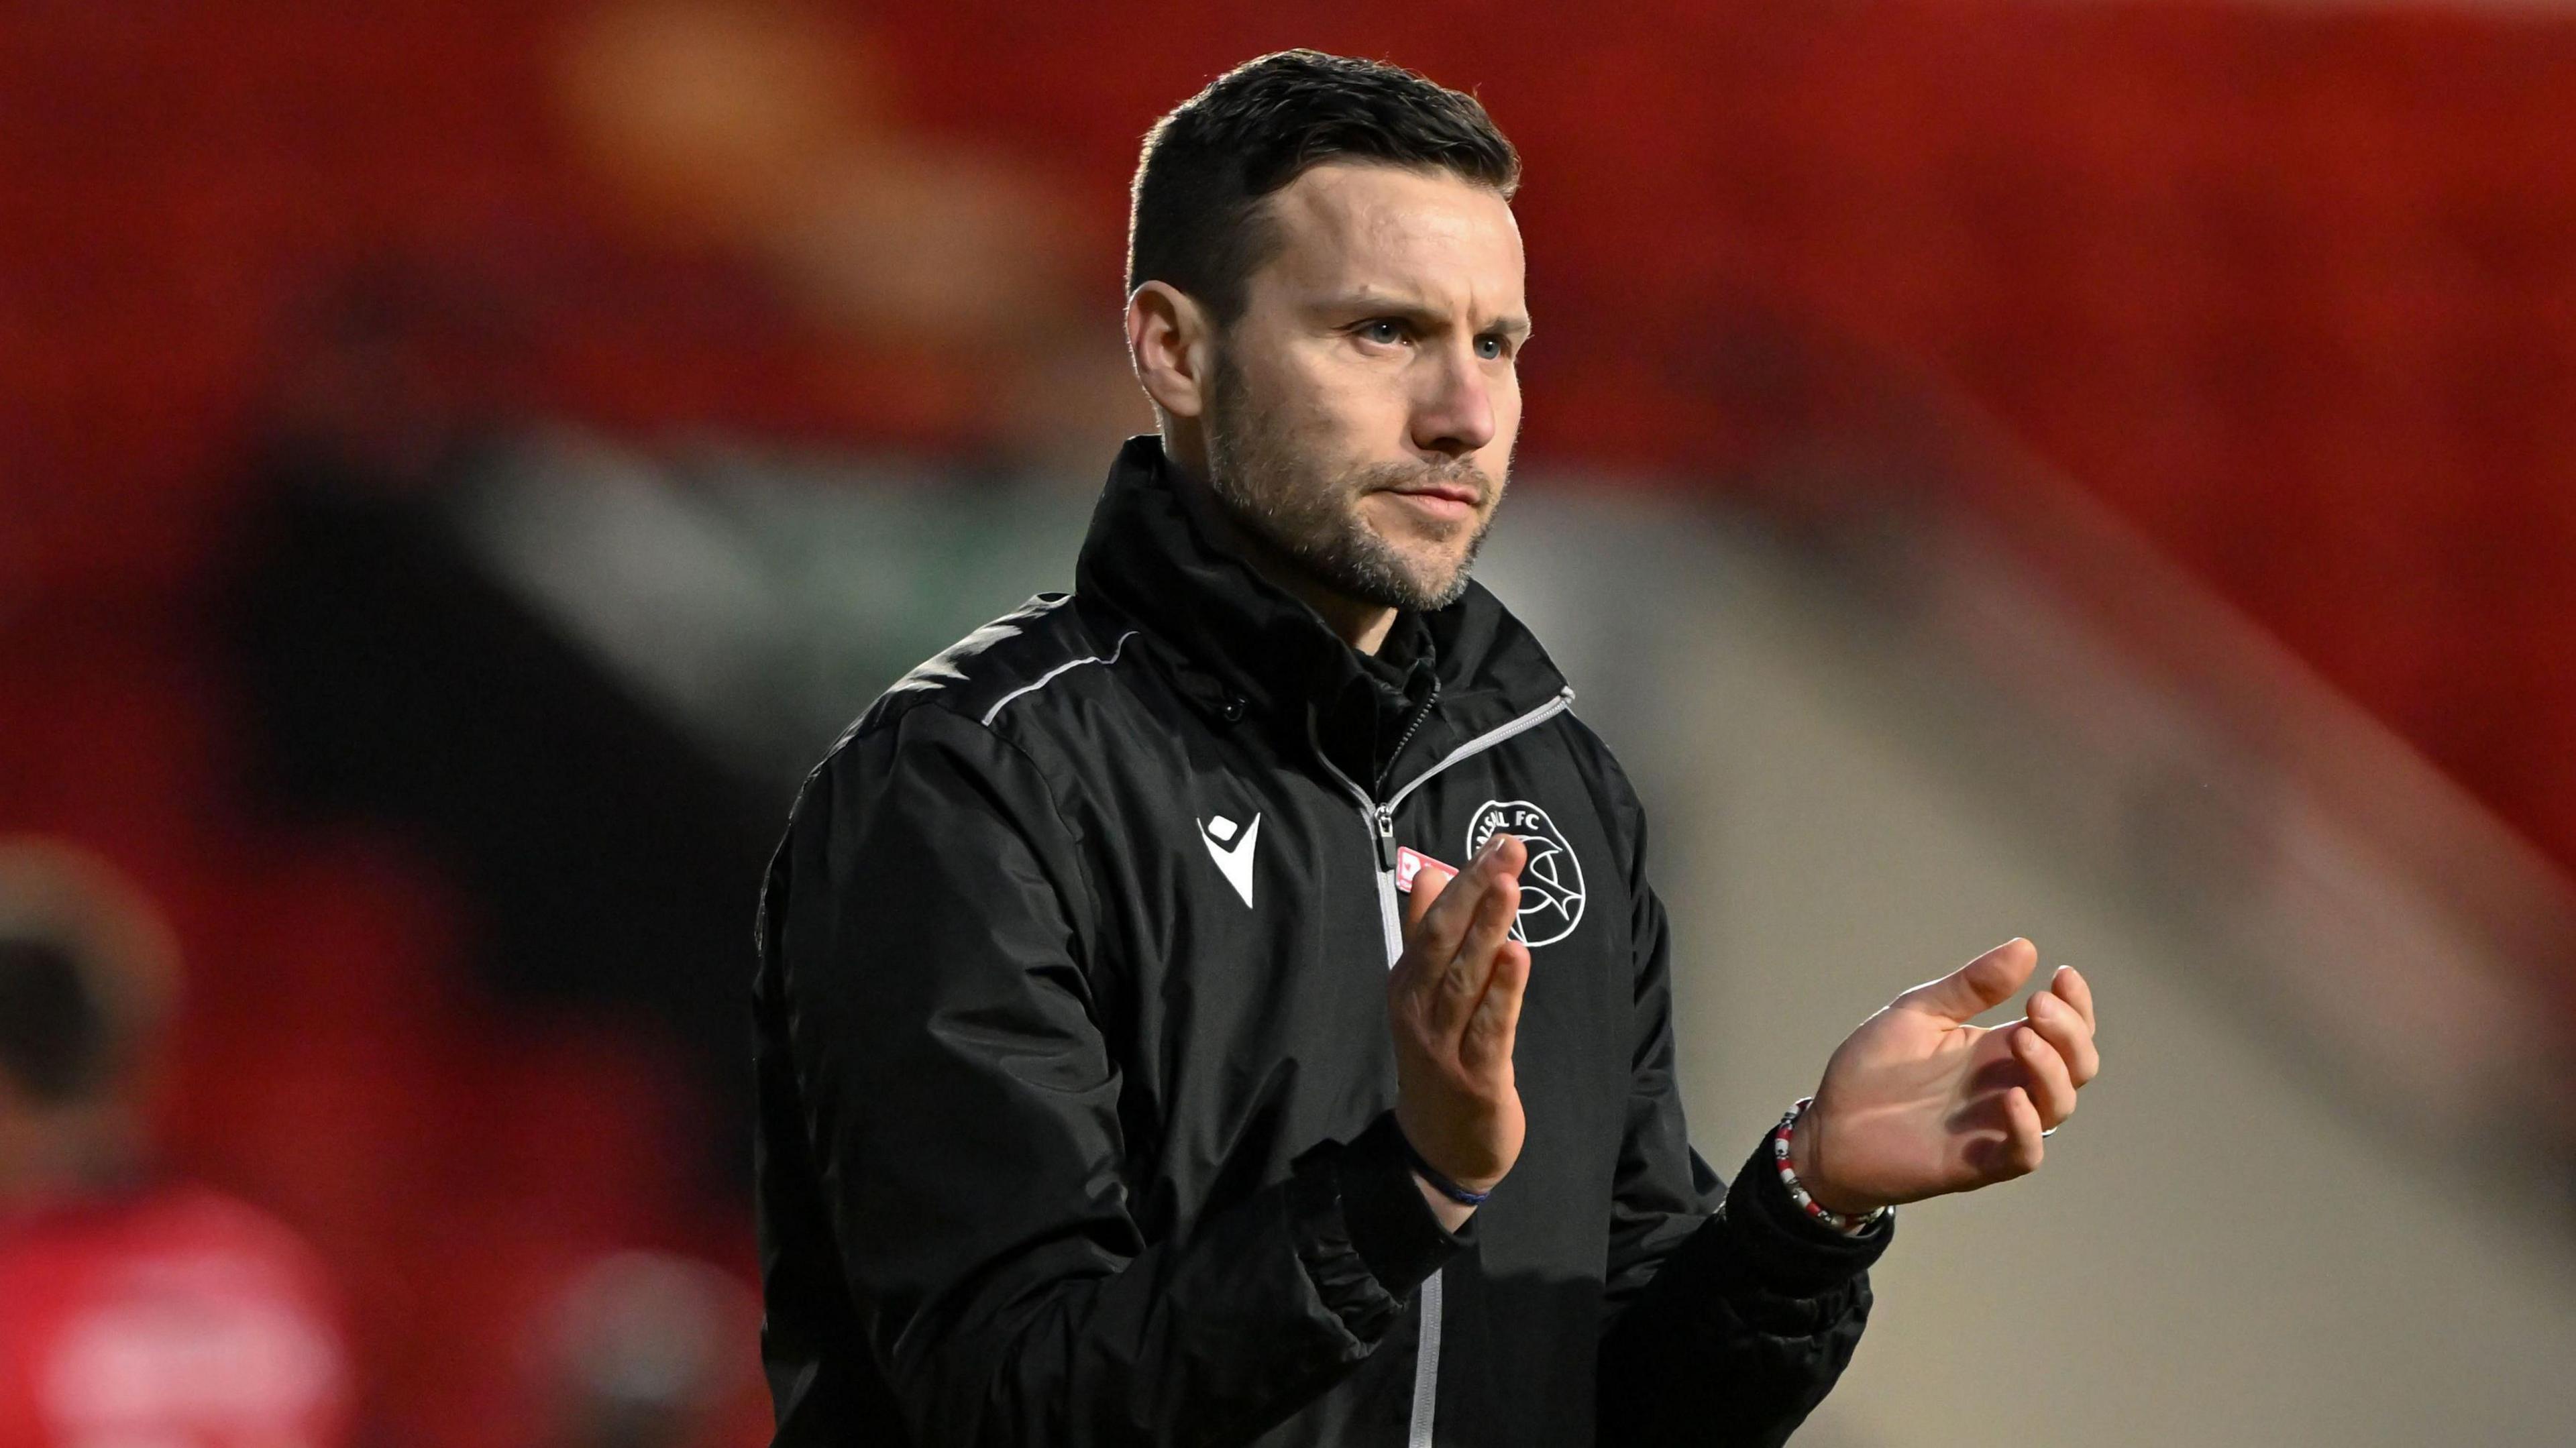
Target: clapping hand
1918 1103
1454 1007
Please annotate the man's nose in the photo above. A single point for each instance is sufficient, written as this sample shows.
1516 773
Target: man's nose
1454 413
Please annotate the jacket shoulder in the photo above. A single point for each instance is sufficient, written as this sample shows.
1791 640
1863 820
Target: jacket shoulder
1002 669
1612 791
948 705
1593 755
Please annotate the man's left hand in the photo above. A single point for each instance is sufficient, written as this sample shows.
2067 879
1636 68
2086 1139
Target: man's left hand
1918 1103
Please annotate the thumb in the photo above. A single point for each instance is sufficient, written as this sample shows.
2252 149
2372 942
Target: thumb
1977 987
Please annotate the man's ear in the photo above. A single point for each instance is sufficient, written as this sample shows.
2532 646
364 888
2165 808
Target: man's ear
1171 343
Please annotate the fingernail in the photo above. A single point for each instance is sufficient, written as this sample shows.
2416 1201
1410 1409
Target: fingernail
1493 847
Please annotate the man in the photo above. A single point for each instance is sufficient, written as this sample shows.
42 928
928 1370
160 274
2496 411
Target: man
134 1307
1112 1089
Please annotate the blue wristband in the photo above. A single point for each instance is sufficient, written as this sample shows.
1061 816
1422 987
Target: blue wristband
1439 1183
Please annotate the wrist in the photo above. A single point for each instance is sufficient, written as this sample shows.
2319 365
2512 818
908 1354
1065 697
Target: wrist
1440 1183
1782 1246
1453 1214
1798 1146
1820 1187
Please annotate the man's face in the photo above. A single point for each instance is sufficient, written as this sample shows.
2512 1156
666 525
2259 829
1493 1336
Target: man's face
1361 410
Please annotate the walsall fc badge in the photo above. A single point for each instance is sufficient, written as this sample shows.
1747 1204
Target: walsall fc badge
1552 881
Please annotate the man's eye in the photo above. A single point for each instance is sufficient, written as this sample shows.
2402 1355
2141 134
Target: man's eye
1490 348
1387 333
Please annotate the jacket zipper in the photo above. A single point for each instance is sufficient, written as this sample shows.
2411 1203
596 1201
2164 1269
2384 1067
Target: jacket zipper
1412 726
1379 818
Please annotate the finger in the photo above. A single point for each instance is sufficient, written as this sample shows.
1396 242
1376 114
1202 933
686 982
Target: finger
1495 1024
2057 1022
2070 986
1428 886
2051 1087
1500 859
1977 987
2022 1148
1472 968
1444 921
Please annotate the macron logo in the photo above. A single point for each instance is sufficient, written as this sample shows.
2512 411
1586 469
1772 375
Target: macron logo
1235 861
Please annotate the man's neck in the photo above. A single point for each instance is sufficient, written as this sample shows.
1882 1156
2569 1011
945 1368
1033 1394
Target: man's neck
1362 625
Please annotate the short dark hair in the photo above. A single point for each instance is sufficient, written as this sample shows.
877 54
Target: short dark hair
57 1043
1195 219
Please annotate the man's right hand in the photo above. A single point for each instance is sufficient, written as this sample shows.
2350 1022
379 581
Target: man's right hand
1454 1005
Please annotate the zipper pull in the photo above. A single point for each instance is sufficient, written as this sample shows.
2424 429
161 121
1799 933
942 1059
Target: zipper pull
1386 839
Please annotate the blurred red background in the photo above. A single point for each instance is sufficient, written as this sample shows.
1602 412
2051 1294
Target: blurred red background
2292 290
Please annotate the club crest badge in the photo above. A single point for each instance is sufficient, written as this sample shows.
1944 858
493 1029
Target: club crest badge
1552 881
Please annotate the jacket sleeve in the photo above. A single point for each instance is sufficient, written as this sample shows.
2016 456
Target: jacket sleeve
1722 1327
931 932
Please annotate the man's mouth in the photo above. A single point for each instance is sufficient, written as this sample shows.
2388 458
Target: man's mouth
1466 493
1443 503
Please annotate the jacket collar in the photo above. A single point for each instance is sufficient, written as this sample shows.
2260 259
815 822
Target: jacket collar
1243 643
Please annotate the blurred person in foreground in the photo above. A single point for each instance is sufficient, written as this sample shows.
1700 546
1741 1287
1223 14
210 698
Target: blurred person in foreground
1227 1004
135 1308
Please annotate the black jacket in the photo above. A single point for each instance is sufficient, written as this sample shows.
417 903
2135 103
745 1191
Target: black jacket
1075 1074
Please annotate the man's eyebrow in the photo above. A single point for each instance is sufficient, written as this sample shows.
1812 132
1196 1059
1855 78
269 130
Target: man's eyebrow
1381 304
1389 304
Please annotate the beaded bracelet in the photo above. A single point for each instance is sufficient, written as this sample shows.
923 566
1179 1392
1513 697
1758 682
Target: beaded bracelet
1439 1182
1849 1226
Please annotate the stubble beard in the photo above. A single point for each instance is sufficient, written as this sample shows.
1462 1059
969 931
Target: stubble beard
1274 489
